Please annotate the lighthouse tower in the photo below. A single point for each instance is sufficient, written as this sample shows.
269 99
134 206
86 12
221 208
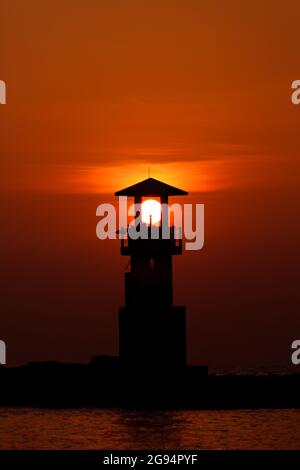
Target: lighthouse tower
152 331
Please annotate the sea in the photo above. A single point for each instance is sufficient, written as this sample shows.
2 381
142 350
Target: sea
132 429
138 429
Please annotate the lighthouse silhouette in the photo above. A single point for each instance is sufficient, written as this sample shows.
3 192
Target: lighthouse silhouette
152 331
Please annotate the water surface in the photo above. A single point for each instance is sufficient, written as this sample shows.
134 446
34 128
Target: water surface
26 428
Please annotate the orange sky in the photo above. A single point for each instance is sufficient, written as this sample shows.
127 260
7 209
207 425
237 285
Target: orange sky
98 91
100 88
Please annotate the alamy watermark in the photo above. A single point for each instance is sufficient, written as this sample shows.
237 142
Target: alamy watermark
2 92
151 219
2 352
295 96
295 357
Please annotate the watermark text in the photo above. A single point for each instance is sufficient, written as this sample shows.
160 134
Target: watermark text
163 221
2 92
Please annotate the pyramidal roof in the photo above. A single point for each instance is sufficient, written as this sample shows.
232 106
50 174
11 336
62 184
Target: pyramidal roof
151 187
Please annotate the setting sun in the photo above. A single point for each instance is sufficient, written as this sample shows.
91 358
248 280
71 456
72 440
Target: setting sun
151 208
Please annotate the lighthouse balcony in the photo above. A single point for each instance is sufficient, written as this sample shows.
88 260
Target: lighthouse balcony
153 246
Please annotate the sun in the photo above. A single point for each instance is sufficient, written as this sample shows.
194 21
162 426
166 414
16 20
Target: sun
151 208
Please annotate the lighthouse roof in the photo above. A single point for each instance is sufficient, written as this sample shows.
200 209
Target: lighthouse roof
151 187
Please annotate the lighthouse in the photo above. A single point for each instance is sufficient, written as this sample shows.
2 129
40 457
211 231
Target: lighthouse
152 330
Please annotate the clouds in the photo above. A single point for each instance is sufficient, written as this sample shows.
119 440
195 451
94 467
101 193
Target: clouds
114 88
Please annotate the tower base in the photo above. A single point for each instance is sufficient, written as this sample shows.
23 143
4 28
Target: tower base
152 337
